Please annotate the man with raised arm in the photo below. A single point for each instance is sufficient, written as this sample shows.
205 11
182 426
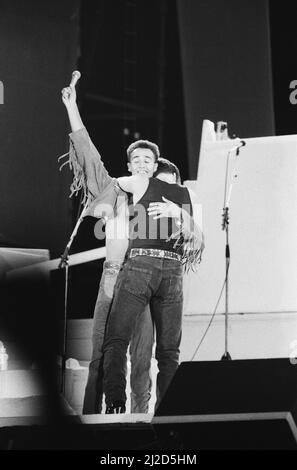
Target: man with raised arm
107 200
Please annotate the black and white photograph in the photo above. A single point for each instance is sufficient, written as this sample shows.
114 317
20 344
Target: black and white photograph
148 234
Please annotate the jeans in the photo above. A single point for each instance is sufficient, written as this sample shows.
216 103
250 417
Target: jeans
144 280
140 350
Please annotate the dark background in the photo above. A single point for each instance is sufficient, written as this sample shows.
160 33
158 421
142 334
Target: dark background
150 69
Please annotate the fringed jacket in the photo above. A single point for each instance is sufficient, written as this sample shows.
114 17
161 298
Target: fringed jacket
101 192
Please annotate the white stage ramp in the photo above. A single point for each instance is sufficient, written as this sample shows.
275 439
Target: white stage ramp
263 245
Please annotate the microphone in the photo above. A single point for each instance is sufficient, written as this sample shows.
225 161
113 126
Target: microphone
242 143
75 77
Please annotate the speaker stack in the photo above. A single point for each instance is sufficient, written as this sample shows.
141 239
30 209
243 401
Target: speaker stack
238 404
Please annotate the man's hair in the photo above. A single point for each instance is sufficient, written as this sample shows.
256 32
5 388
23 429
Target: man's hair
143 144
165 166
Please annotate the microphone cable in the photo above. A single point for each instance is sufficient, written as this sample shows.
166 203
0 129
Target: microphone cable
212 317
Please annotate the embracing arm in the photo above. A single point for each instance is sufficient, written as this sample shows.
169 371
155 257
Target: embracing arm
85 161
191 226
135 184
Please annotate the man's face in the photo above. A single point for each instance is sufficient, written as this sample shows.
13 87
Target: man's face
142 161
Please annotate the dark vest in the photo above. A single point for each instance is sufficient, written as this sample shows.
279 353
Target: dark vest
144 231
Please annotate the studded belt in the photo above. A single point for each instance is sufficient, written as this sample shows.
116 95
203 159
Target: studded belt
154 253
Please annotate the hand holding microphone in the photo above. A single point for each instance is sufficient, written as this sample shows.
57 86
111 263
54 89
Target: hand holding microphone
75 77
69 93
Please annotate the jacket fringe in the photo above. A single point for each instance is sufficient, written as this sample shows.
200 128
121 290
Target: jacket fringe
79 178
189 245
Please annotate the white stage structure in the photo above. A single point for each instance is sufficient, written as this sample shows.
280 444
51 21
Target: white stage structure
263 246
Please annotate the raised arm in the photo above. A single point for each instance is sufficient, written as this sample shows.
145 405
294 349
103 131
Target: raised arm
85 160
69 100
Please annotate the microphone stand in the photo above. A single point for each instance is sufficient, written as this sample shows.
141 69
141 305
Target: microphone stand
225 226
64 264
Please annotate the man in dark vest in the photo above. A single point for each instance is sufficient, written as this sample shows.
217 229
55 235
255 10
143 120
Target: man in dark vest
163 235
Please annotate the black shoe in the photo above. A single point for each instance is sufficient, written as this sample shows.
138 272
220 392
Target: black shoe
116 407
